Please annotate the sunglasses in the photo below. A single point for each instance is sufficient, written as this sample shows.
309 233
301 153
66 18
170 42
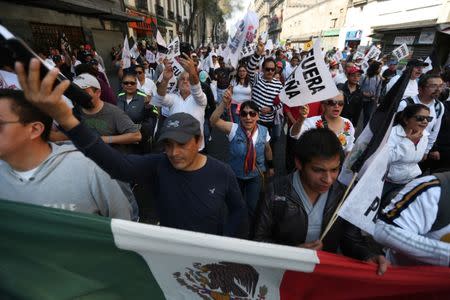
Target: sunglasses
269 69
334 102
244 113
128 82
420 118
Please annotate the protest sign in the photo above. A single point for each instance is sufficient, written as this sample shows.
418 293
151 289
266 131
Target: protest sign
401 52
358 55
362 204
177 68
173 49
150 56
248 50
310 82
126 55
373 53
337 56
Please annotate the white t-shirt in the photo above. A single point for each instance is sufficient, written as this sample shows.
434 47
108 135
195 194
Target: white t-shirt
235 127
241 93
149 87
26 175
411 90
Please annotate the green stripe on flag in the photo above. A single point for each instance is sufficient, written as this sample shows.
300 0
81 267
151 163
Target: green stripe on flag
48 253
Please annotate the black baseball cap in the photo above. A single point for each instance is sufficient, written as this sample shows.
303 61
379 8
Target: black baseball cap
416 62
180 127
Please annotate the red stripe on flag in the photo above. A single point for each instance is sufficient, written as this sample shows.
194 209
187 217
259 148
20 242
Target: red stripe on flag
339 277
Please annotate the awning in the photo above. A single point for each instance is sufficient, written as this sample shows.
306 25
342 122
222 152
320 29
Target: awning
82 7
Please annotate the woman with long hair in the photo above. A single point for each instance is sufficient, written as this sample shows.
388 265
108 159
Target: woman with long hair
241 91
407 144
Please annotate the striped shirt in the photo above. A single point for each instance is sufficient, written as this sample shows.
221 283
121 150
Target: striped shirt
263 91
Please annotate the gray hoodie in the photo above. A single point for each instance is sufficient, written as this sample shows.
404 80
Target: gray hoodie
67 180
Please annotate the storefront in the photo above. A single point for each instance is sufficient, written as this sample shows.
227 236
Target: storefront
143 29
419 40
353 39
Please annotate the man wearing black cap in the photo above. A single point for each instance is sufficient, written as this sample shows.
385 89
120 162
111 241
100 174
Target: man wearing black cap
192 191
412 89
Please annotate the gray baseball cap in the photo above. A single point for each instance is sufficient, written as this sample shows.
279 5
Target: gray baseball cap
180 127
86 80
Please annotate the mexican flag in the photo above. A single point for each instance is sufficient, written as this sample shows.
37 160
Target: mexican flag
47 253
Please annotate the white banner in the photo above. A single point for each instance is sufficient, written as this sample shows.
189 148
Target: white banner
245 31
173 49
310 82
373 52
126 54
362 204
401 52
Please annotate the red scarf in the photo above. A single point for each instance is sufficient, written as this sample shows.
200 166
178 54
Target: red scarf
250 157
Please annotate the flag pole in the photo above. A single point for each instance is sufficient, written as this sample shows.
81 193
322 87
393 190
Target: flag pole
335 214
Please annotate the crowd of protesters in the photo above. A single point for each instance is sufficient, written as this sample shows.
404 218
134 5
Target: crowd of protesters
154 131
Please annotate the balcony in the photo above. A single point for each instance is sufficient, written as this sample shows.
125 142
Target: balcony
159 10
171 15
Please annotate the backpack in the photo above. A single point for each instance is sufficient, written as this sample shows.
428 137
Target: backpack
437 106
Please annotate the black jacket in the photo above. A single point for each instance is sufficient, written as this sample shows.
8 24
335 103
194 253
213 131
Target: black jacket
282 220
352 103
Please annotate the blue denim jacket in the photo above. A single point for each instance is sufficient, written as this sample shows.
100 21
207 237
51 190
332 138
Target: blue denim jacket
238 150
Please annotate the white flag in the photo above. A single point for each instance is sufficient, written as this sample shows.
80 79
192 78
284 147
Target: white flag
401 51
134 51
310 82
362 204
150 56
245 31
269 45
264 37
126 55
159 39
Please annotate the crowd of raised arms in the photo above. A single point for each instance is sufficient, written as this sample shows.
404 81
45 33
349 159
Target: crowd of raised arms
141 149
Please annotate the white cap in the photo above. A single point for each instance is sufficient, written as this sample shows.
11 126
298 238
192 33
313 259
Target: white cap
86 80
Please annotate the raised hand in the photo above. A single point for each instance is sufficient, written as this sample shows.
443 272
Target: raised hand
188 64
44 95
226 99
168 71
304 111
260 48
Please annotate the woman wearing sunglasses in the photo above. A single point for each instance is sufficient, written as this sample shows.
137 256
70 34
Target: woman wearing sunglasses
331 119
407 144
249 148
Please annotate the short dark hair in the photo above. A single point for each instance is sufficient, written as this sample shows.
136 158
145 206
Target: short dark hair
250 104
85 68
26 112
268 59
423 81
410 111
318 142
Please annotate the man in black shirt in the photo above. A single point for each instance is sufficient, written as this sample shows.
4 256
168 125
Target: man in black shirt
390 72
223 77
352 95
192 191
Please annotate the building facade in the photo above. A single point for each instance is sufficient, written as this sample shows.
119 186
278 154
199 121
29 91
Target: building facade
99 23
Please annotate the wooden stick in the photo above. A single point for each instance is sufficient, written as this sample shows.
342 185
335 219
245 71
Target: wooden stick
335 214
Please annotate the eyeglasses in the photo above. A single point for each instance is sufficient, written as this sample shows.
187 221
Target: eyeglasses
269 69
128 82
420 118
244 113
435 86
334 103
